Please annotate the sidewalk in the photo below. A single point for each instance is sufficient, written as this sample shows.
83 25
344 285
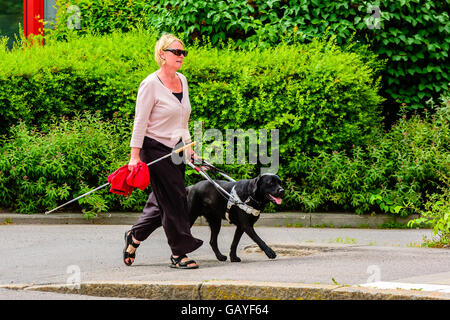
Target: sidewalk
311 263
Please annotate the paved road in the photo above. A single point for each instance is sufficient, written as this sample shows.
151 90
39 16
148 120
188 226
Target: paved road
51 253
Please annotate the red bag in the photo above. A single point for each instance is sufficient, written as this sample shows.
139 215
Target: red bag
124 182
139 177
118 182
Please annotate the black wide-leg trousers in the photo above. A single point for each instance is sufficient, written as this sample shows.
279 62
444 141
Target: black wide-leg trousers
167 203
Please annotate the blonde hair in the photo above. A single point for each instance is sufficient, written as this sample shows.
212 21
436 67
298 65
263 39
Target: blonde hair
163 43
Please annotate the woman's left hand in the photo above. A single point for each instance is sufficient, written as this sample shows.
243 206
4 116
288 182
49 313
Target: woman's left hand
195 157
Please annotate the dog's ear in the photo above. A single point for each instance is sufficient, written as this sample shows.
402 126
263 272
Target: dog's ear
254 184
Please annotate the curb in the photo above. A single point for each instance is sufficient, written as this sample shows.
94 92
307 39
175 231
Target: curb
230 290
279 219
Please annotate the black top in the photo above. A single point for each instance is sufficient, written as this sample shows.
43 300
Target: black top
179 95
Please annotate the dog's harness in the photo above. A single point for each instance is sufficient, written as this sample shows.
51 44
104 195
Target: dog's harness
234 200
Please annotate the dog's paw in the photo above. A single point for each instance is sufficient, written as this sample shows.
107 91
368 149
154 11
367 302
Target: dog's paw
221 258
270 253
235 259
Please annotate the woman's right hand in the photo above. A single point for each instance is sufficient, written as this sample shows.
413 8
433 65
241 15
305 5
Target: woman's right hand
134 159
133 162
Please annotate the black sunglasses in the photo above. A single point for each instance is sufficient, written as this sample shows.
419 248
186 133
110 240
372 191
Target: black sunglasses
177 52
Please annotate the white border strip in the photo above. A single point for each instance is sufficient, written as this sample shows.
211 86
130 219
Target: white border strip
407 286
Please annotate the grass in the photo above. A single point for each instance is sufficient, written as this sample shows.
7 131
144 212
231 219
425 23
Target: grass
7 221
435 242
345 240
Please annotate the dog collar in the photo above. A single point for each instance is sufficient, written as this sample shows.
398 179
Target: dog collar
236 201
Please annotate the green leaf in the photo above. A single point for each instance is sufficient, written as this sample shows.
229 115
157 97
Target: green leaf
397 209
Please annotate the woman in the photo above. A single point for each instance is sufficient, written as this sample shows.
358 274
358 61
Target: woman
160 125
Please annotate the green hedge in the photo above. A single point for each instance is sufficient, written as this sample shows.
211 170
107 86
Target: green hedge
414 35
40 171
92 73
324 98
400 171
435 211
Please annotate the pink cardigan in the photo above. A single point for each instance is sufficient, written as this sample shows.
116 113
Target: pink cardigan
159 114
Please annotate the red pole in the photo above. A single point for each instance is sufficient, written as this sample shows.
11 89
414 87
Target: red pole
33 12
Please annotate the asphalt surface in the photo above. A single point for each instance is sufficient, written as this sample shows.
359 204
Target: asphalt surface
43 254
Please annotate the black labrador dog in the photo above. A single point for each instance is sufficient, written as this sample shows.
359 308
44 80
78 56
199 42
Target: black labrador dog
205 200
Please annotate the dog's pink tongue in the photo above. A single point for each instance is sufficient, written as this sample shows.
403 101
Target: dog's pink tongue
277 200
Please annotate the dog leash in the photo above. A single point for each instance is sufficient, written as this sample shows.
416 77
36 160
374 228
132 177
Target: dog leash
207 177
233 198
213 168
